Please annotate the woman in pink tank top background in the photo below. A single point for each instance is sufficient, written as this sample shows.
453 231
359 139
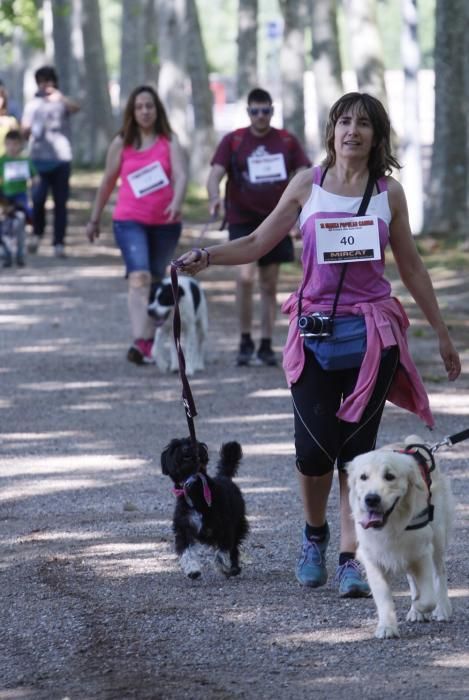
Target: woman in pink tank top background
147 160
337 411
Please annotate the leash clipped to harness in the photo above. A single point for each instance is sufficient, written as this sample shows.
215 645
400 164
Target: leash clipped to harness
426 463
451 440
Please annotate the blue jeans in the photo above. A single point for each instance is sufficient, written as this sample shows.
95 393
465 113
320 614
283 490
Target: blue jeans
57 180
147 247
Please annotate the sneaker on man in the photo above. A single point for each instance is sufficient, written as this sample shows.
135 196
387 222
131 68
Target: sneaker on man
245 353
59 250
140 353
311 566
350 580
266 356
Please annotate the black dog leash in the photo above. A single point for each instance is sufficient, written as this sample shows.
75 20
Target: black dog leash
451 440
187 398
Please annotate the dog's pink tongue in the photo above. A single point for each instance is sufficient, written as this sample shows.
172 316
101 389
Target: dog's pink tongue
372 519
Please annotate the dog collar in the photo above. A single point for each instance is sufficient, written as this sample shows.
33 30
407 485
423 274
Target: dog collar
422 519
426 466
184 489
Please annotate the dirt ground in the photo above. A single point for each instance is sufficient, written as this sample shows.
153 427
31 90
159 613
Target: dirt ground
94 605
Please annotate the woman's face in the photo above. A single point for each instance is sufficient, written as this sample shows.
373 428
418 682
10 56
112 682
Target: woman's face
145 110
353 134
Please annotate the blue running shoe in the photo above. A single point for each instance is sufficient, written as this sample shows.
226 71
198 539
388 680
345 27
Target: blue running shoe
311 567
351 581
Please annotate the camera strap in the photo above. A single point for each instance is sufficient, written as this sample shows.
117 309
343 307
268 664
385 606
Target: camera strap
361 212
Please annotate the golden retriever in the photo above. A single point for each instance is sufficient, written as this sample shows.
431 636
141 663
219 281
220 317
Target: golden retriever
388 495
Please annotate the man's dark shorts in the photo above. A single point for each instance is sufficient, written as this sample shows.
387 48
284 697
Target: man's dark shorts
282 253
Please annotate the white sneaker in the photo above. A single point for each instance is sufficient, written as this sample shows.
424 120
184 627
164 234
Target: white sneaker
59 251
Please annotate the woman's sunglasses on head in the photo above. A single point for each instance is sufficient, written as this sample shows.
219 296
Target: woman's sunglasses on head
254 111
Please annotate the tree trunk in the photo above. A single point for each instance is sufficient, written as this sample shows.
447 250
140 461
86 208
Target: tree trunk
326 57
247 47
173 82
446 207
411 151
150 67
366 47
132 48
100 123
61 31
292 66
204 139
68 59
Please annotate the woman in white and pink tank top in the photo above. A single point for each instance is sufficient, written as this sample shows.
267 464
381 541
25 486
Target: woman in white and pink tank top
337 412
148 162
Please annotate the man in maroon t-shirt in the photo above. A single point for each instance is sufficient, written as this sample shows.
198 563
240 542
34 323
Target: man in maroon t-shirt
258 161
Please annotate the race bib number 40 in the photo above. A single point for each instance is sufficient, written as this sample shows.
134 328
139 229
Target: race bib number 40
148 179
347 240
267 168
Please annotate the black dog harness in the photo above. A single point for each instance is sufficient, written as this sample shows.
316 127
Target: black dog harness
183 490
426 464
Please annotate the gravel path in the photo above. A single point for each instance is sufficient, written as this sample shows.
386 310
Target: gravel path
93 602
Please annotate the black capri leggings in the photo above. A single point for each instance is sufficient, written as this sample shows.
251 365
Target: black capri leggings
320 437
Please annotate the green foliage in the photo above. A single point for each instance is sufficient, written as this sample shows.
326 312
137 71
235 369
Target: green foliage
111 20
196 204
25 15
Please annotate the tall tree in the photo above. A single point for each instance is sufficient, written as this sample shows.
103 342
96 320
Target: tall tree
150 67
132 48
173 82
366 46
203 139
68 59
61 32
446 209
411 151
247 47
100 122
326 56
292 64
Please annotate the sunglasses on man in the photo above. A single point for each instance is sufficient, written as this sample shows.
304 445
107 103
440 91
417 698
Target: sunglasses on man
254 111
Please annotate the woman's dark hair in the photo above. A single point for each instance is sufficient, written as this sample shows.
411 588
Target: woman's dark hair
130 131
381 161
46 74
4 96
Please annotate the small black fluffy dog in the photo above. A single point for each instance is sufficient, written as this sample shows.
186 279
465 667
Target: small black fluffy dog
208 510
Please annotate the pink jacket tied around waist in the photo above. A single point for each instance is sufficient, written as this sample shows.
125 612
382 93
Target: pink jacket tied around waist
386 325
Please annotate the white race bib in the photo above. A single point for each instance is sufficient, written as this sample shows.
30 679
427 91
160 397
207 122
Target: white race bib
347 240
148 179
267 168
16 170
